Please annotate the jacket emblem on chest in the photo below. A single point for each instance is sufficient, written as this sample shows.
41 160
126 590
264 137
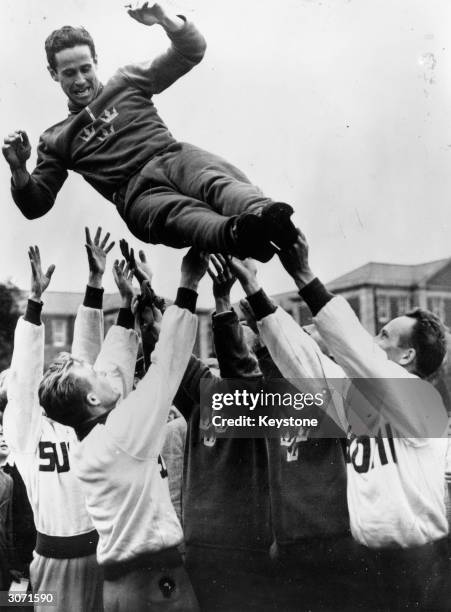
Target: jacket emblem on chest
103 131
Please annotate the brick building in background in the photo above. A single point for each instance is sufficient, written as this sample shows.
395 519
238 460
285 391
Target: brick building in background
379 292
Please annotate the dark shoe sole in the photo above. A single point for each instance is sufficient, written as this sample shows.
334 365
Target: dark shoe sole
250 238
278 224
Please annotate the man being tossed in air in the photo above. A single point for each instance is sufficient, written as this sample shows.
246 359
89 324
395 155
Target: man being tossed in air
168 192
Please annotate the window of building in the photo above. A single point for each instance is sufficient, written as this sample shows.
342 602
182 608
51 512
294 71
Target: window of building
383 308
437 305
402 304
59 332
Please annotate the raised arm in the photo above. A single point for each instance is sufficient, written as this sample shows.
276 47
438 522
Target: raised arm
138 424
34 194
186 50
117 357
89 326
296 355
23 414
234 355
411 405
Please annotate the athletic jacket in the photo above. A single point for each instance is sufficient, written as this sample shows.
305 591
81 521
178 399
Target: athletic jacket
40 446
307 477
395 484
119 464
225 488
110 140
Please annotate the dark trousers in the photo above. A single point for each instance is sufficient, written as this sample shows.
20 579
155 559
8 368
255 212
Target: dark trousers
231 580
320 574
417 578
187 196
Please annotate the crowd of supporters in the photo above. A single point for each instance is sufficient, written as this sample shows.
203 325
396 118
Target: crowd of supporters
119 493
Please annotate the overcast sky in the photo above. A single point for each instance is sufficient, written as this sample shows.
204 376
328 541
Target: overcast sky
340 107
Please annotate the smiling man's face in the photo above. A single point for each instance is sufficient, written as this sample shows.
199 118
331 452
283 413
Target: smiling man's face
76 72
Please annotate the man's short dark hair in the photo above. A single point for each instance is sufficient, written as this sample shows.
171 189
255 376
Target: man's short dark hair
66 38
428 338
60 393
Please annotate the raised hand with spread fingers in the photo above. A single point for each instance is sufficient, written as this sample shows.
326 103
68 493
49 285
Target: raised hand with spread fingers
39 280
97 251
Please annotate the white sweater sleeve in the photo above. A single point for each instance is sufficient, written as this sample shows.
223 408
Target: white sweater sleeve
413 407
301 361
138 423
88 333
23 414
117 358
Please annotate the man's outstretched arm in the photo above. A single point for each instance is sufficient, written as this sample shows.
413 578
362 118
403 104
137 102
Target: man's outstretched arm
296 355
23 413
187 49
89 326
34 194
138 423
412 406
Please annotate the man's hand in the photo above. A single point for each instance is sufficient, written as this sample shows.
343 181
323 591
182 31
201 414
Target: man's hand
17 150
123 277
194 266
296 263
149 319
155 14
223 279
246 272
141 270
39 280
97 251
249 315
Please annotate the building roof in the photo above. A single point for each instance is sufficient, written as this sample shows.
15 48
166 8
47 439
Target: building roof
388 275
66 303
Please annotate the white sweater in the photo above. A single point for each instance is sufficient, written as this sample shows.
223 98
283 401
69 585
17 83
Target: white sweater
119 464
395 484
40 446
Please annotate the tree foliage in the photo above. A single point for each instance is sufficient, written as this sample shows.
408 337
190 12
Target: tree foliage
10 299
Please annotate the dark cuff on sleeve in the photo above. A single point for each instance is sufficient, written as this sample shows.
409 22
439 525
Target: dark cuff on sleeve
223 318
93 297
261 304
33 312
125 318
186 298
315 295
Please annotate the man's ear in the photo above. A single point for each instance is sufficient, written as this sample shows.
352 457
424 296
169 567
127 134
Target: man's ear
92 399
53 74
408 357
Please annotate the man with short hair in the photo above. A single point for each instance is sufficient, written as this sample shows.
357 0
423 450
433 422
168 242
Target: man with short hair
64 559
395 469
167 192
117 459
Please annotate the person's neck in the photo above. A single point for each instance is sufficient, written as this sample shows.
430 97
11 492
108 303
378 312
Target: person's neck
83 429
3 461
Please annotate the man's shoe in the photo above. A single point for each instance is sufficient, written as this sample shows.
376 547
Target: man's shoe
249 238
279 227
